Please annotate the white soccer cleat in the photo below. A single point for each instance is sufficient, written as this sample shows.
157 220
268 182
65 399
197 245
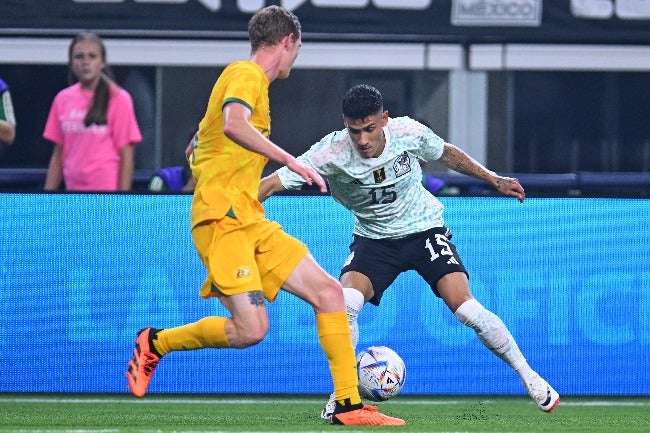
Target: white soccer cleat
328 410
542 393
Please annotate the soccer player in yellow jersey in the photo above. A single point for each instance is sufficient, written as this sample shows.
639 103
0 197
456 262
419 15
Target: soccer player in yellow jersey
247 257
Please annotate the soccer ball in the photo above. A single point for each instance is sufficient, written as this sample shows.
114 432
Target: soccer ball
381 373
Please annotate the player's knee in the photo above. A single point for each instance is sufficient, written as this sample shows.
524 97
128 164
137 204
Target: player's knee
334 292
468 312
251 339
250 336
329 293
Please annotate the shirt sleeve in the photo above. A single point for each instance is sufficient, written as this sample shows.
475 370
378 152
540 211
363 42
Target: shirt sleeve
53 131
246 85
291 180
6 105
122 120
318 157
432 145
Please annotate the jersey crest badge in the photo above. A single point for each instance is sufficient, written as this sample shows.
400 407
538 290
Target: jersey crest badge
243 273
402 164
380 175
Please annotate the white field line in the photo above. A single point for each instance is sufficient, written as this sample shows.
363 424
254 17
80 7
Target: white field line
167 431
176 431
191 400
309 400
225 400
161 431
186 431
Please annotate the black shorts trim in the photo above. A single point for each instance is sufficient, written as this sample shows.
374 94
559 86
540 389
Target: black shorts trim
430 253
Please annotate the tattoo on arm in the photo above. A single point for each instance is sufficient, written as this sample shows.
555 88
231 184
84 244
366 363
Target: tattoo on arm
503 183
256 298
459 161
451 160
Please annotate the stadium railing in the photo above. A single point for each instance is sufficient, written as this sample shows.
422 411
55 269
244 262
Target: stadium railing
580 184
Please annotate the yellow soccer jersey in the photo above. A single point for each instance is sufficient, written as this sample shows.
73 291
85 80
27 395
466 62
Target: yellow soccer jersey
227 175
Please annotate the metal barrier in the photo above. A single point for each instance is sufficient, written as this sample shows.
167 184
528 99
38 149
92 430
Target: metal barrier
32 179
580 184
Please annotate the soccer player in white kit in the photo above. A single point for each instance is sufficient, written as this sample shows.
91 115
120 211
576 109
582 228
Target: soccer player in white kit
373 169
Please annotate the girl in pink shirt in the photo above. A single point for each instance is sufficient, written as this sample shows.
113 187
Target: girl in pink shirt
92 124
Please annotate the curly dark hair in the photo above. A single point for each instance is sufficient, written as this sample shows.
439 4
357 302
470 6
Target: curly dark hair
362 101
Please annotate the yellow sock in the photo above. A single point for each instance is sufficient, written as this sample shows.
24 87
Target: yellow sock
207 332
334 336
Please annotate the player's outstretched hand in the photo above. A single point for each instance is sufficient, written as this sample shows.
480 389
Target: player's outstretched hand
310 175
511 187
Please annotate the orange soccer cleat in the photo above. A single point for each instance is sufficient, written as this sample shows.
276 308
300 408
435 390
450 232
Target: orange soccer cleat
366 415
144 362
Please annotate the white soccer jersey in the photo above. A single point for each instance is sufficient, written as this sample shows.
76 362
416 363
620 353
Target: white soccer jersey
385 194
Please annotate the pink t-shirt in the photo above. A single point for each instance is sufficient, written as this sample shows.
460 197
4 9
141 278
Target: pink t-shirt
91 155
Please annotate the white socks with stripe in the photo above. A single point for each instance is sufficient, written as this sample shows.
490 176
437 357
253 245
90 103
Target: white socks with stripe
353 303
494 335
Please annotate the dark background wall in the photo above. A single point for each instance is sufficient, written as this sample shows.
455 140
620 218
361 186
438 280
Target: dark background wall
556 121
553 118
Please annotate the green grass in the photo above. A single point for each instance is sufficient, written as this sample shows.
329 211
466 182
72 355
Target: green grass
22 413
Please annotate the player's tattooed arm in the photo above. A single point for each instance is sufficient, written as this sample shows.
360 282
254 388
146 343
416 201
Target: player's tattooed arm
456 159
256 298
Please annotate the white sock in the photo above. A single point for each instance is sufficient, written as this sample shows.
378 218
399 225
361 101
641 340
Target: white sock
353 303
494 335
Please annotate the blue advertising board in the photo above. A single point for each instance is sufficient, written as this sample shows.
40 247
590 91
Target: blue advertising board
80 274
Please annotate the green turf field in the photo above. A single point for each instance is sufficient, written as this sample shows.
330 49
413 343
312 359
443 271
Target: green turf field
84 413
